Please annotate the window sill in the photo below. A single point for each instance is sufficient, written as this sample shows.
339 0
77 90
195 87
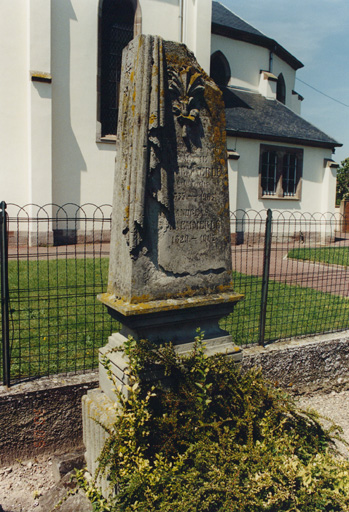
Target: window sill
281 198
108 139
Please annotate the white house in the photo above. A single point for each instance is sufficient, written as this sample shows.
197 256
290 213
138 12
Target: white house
60 62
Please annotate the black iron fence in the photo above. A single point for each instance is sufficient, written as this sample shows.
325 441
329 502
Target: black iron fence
56 264
292 268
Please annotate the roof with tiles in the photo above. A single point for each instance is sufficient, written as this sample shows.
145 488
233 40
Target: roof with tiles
251 115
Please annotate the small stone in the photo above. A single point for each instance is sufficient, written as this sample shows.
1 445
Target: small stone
87 476
6 471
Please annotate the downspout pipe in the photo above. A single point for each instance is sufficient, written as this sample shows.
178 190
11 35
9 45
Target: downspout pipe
180 19
271 59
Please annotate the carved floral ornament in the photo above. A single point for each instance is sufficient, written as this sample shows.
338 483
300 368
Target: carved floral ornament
187 88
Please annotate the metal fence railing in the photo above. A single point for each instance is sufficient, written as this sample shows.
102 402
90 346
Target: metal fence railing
293 270
57 263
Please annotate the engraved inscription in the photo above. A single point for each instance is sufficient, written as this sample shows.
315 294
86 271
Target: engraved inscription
199 221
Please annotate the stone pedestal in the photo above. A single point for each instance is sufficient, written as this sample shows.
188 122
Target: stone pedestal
175 320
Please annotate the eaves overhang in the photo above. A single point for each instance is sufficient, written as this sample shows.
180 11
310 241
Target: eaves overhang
288 140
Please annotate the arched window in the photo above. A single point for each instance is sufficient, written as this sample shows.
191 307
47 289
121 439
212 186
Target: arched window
281 89
220 69
116 30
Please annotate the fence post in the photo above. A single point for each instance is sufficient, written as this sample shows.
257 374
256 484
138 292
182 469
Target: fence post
4 296
265 279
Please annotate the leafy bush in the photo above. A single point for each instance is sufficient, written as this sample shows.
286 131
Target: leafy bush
205 437
342 181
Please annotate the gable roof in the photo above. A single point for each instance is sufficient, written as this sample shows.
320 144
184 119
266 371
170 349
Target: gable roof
251 115
228 24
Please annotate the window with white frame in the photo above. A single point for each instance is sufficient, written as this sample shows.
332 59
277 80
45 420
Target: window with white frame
280 172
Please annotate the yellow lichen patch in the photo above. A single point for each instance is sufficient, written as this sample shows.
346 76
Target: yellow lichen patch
139 299
152 118
156 306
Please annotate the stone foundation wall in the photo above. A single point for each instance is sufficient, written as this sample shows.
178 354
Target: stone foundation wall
45 416
304 365
42 416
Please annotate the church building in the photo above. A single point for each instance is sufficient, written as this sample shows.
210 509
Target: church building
61 62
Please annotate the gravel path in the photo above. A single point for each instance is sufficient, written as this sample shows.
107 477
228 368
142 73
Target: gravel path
22 484
335 406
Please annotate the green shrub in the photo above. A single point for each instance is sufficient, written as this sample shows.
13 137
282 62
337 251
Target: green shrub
208 438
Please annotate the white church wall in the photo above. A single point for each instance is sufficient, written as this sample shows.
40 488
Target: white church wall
14 102
83 169
197 27
39 102
245 60
313 198
160 18
296 103
49 149
78 159
289 74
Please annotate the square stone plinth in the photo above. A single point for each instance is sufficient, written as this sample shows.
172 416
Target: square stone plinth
173 320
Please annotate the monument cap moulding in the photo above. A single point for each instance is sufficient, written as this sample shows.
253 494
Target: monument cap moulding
170 255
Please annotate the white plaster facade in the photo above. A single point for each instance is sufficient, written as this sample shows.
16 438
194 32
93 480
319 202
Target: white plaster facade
318 182
50 150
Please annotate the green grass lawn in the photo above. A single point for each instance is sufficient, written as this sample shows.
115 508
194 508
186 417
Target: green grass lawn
292 311
329 255
57 324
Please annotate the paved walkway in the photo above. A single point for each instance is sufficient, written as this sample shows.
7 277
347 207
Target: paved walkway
327 278
247 259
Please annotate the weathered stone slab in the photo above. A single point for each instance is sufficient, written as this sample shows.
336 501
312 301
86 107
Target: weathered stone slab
170 230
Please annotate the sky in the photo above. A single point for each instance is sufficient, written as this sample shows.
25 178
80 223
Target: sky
316 33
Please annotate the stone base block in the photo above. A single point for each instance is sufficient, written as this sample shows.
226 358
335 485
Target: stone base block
118 362
97 410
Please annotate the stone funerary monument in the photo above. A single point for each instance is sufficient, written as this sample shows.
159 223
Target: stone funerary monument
170 255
